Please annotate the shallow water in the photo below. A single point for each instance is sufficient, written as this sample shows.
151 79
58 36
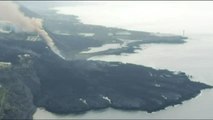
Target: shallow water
102 48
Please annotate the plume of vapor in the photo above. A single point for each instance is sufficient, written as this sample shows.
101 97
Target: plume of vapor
50 42
9 11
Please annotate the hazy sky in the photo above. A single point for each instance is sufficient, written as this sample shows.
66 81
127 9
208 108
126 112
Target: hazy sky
153 16
156 16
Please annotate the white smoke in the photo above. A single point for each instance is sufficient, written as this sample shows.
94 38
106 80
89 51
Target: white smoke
9 11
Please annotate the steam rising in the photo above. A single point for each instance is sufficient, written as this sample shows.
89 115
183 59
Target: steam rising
10 12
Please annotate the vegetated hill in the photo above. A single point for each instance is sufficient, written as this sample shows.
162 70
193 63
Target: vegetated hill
67 33
72 36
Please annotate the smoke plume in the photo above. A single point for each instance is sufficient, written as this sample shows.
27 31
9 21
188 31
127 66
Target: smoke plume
10 12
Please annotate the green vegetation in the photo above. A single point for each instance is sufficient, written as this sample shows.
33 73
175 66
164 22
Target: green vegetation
2 96
3 93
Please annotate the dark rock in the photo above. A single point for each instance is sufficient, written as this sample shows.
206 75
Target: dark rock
45 80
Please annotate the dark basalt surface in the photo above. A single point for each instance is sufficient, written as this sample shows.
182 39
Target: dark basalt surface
78 86
85 85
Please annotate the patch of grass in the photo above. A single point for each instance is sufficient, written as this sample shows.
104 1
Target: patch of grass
3 93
